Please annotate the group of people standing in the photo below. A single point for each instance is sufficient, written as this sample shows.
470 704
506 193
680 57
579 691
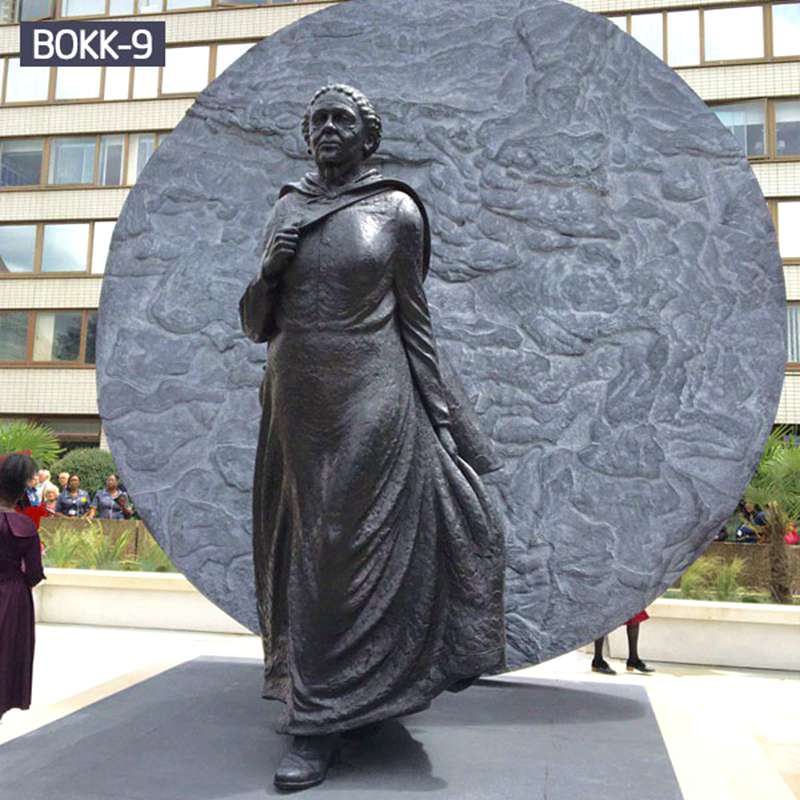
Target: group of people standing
69 500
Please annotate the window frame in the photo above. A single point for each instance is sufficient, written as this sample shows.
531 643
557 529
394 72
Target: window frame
45 140
160 95
38 273
47 150
793 261
767 31
771 153
28 362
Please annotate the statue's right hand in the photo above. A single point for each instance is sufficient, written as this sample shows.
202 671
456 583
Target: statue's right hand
280 251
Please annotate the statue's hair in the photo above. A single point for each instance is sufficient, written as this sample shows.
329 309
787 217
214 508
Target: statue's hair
370 117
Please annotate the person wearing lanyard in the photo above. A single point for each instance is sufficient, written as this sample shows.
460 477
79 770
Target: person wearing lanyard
73 502
111 502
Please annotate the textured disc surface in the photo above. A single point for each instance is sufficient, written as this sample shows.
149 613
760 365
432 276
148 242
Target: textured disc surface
605 277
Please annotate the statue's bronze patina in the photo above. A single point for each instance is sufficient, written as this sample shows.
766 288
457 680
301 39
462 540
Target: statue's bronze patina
378 558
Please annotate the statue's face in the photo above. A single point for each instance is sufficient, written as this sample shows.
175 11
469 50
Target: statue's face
336 132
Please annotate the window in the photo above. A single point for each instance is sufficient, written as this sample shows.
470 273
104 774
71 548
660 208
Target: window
13 335
72 160
54 248
30 10
185 70
64 338
786 29
746 121
787 128
100 245
117 82
111 160
142 146
57 336
734 33
648 30
83 8
28 84
683 38
120 8
620 22
21 162
91 337
173 4
17 248
145 82
228 53
65 247
793 333
150 6
77 83
75 160
789 229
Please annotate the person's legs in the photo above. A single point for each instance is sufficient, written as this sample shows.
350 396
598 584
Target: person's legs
634 662
633 642
599 664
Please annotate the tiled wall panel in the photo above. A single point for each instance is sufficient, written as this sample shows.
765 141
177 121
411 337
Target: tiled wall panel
50 292
135 115
39 205
207 26
779 179
45 391
744 80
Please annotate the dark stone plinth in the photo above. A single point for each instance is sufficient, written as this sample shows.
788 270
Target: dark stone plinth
196 733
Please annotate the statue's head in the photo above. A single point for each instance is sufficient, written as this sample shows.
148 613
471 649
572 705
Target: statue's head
341 125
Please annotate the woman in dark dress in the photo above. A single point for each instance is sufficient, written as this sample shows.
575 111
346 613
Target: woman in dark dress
378 557
20 571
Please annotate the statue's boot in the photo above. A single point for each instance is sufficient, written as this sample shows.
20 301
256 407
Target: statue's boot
307 763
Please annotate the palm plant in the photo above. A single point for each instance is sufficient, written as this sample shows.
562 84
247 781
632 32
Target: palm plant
63 548
105 552
151 558
775 487
20 435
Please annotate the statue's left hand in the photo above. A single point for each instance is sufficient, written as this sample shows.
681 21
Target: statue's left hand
447 440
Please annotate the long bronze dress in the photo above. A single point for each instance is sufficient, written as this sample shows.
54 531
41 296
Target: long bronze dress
378 558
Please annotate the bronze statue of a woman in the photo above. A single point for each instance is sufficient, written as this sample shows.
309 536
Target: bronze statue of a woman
378 557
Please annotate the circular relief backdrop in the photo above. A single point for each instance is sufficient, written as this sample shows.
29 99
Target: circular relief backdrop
605 278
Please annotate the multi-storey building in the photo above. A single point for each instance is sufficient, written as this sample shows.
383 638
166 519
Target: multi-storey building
73 140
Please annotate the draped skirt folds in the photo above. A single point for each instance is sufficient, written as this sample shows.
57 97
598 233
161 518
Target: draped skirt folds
378 559
16 643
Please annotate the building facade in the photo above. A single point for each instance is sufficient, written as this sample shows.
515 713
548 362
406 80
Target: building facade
73 141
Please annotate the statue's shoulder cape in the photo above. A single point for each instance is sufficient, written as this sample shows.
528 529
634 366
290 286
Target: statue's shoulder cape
474 446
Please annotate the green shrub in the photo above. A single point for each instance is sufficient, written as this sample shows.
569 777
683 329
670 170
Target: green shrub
711 577
726 581
39 439
89 547
697 579
91 464
101 551
150 557
62 547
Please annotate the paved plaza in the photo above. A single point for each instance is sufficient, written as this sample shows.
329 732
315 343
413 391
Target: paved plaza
731 734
